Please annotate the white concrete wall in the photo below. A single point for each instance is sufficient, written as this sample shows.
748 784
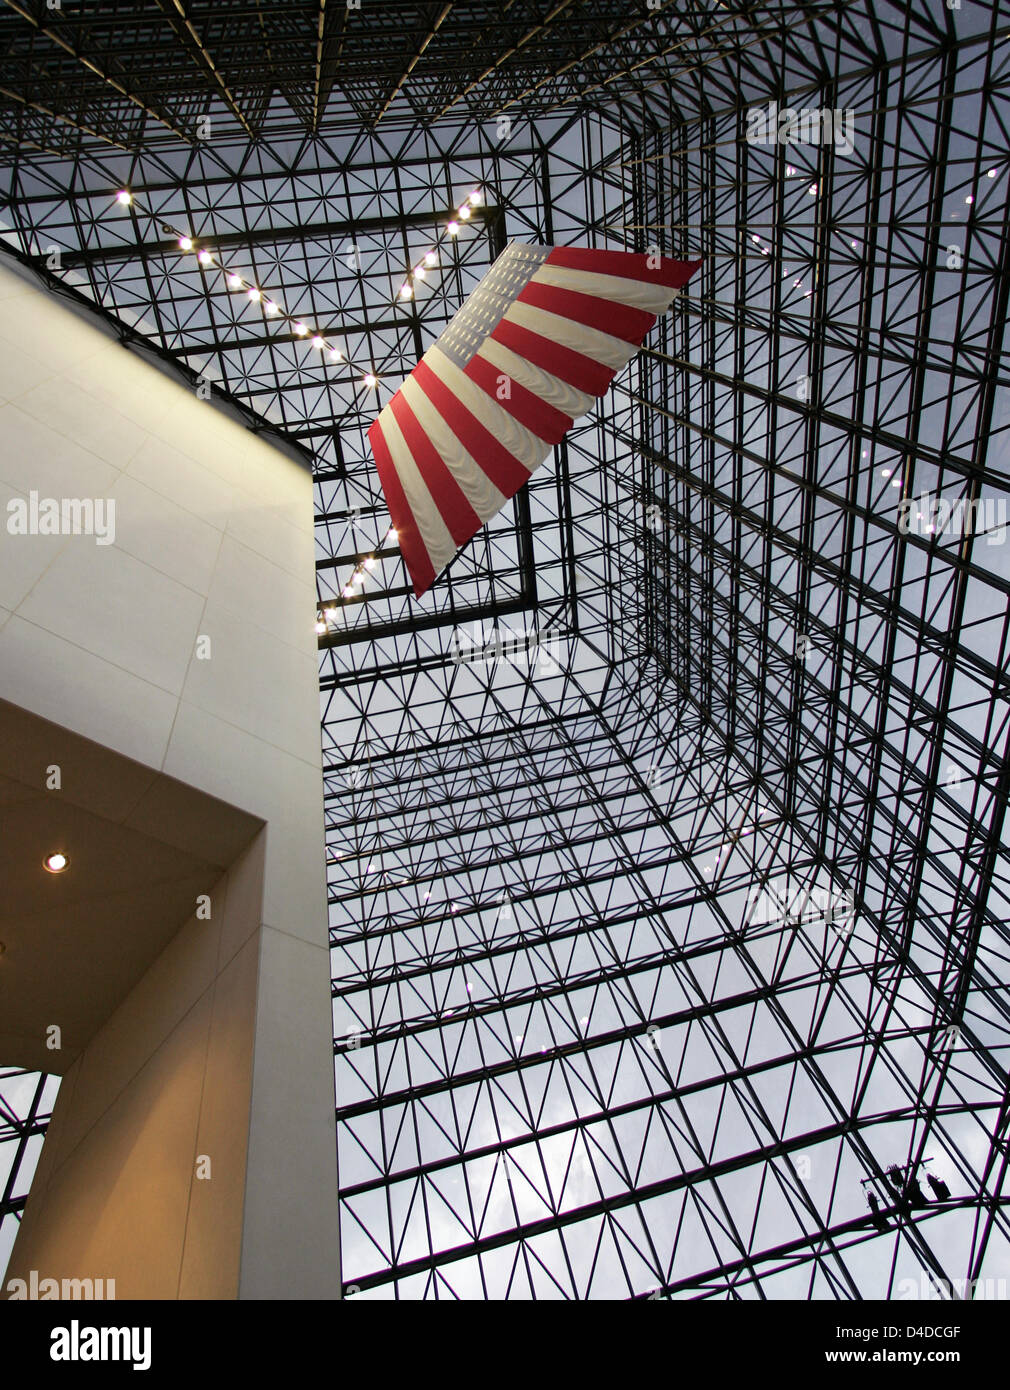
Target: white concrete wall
213 538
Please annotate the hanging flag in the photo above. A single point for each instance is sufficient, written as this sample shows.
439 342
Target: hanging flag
541 337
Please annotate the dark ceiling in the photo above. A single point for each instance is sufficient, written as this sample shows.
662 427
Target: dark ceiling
126 72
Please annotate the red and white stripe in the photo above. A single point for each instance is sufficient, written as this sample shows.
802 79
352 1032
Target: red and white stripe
450 453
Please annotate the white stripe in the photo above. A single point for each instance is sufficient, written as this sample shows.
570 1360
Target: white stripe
521 443
549 388
434 533
601 347
476 486
640 294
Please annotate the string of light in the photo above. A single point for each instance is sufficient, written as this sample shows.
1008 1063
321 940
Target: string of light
235 281
329 613
419 271
270 303
273 310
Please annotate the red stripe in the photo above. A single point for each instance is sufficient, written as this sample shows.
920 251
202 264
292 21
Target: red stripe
504 470
619 320
631 265
578 370
412 547
545 420
461 519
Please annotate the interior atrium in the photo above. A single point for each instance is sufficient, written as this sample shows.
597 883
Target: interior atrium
668 885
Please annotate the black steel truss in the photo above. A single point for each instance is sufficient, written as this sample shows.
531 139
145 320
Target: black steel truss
26 1102
668 894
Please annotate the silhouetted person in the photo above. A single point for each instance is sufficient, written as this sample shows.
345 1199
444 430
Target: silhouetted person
914 1193
897 1181
878 1217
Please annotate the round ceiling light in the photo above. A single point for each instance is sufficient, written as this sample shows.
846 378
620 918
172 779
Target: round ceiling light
56 863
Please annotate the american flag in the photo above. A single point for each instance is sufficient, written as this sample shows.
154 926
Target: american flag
542 335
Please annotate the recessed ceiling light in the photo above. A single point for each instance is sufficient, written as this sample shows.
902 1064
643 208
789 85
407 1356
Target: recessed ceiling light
56 863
